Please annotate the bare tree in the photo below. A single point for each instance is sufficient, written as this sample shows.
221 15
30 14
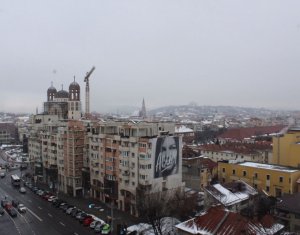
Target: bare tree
154 206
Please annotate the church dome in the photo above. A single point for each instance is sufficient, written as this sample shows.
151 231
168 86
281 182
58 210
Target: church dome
74 86
62 94
51 89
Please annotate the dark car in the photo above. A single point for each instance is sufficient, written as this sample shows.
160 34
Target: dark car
80 215
15 203
1 211
4 202
12 212
75 212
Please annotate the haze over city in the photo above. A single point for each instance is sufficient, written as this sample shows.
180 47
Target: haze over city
241 53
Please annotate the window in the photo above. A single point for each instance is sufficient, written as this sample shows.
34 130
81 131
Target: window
268 177
244 173
280 179
233 172
223 170
255 186
255 175
267 188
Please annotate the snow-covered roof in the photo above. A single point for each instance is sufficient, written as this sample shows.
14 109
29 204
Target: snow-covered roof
183 129
268 167
232 223
228 198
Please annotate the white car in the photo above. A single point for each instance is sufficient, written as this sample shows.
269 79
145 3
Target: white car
22 208
51 198
22 190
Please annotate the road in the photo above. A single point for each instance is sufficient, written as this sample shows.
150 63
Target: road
41 217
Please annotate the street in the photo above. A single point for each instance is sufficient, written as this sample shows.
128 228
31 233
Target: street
41 217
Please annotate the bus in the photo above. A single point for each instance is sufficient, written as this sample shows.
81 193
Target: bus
15 180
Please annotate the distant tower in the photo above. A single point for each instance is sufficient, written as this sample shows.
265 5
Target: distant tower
51 93
74 104
143 113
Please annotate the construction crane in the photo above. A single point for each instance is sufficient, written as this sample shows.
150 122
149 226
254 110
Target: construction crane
87 91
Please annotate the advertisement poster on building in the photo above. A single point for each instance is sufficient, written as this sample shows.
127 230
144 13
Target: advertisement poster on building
166 156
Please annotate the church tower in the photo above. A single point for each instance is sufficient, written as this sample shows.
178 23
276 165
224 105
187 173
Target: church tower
74 104
143 113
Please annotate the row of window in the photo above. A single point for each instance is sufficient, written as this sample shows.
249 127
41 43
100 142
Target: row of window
255 176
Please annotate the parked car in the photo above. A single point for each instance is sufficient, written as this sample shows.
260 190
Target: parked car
98 227
1 211
15 203
106 229
11 211
80 215
52 198
22 208
96 222
2 174
69 210
87 221
75 212
22 190
4 202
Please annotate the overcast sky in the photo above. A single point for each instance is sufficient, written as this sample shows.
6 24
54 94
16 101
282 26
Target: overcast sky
171 52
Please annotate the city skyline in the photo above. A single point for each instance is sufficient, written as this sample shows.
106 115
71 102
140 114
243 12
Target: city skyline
211 53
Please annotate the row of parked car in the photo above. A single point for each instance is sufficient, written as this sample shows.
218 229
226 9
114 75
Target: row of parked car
86 219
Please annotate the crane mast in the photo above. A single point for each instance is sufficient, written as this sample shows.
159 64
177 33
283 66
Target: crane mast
87 91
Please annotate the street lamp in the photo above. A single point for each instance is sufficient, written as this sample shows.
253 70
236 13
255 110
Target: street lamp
111 207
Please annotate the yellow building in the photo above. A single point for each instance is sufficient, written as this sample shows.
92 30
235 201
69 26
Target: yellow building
286 148
273 179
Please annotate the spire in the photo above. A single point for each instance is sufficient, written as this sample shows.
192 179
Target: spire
62 86
74 78
51 83
143 113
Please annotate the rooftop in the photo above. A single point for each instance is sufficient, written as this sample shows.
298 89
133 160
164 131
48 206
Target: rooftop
249 132
217 220
269 167
231 193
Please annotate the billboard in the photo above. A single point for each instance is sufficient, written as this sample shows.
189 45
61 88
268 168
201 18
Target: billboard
166 156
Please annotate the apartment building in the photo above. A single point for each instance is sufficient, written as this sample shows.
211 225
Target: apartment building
129 156
275 180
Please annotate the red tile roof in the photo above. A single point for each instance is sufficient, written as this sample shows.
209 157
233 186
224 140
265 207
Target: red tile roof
242 133
244 148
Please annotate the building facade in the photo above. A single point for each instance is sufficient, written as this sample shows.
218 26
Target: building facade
273 179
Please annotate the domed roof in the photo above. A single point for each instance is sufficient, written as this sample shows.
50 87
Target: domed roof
74 86
51 89
62 94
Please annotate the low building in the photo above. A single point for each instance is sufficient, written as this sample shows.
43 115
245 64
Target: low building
254 152
287 210
198 172
8 133
217 220
235 196
275 180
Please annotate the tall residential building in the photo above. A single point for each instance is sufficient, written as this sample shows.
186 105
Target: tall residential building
126 157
